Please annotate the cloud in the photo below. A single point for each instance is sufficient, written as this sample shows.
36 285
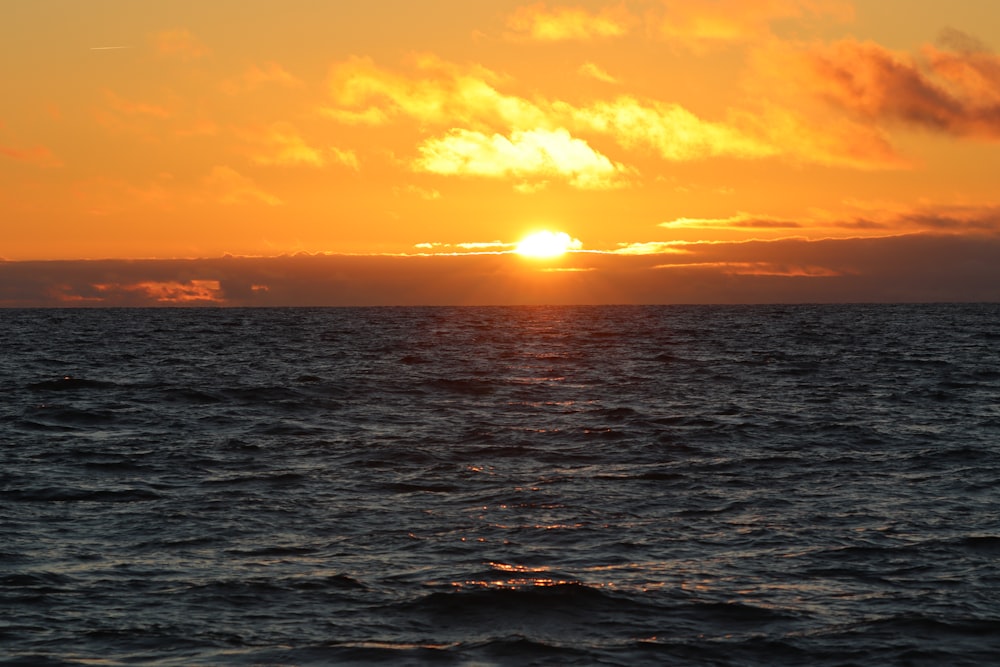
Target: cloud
877 216
709 23
526 154
427 194
951 92
933 218
280 144
779 119
650 248
38 156
438 248
671 130
345 157
784 269
138 117
179 44
568 23
230 187
918 267
453 96
127 107
257 76
738 221
441 94
104 196
592 71
168 293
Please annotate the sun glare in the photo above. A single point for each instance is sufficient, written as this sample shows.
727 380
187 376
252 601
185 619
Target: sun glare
546 244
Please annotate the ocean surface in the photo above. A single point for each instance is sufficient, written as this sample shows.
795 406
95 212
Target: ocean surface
763 485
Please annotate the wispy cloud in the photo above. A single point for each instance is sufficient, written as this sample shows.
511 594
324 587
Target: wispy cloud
708 23
179 43
38 156
280 144
738 221
592 71
257 76
228 186
568 23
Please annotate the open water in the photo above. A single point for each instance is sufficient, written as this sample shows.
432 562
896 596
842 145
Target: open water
786 485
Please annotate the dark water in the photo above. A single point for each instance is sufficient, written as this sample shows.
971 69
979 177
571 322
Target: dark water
501 486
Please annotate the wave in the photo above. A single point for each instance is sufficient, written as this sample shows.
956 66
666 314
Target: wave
70 383
53 494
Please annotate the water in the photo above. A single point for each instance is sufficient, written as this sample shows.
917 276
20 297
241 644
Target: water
793 485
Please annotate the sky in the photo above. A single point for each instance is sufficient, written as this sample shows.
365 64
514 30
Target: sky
393 152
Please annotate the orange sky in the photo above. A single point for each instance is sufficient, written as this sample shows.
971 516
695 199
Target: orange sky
747 137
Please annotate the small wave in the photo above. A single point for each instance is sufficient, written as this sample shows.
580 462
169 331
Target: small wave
40 660
335 582
37 582
47 416
413 359
739 614
518 649
192 396
421 487
277 479
572 598
616 414
989 544
61 494
463 386
69 383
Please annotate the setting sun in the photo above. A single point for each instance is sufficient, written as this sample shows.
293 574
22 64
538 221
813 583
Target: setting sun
546 244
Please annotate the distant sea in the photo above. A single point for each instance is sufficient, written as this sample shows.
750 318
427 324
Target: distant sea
751 486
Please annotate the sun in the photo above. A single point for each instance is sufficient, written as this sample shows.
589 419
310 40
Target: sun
546 244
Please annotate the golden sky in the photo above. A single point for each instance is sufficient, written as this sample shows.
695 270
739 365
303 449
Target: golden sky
736 136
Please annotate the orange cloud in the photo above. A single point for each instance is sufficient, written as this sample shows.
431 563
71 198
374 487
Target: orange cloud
38 156
191 292
739 221
879 217
256 76
450 95
918 267
145 119
592 71
344 157
281 145
759 269
671 130
444 94
568 23
103 196
180 44
650 248
526 154
230 187
715 22
134 108
950 92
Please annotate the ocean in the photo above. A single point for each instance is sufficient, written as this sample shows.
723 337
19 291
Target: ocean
752 485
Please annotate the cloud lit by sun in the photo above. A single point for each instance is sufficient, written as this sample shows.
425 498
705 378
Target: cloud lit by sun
545 244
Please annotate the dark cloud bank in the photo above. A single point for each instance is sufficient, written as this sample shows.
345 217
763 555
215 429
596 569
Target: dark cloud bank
914 268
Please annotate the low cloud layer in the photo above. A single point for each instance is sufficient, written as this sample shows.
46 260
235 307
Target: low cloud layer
912 268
